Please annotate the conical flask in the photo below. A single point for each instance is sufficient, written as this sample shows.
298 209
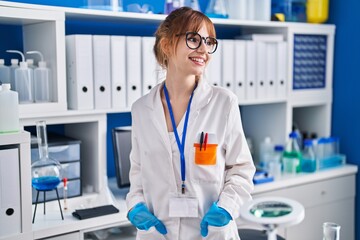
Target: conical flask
217 9
46 172
194 4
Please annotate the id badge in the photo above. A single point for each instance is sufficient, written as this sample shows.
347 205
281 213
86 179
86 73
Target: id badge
183 206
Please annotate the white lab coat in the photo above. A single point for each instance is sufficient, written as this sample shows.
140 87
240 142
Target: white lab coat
155 168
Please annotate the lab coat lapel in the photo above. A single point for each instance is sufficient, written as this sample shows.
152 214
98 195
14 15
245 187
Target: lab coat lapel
202 96
158 116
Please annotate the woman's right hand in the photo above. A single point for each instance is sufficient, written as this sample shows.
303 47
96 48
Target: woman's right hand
143 219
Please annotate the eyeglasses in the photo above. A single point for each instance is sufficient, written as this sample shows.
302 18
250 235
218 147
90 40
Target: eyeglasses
194 40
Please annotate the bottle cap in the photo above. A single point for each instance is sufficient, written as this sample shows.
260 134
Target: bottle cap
14 61
30 61
6 86
279 148
293 134
308 142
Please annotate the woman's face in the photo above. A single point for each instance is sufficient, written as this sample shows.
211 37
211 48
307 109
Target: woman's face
190 61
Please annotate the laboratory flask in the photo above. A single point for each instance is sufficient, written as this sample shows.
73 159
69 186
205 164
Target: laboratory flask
331 231
46 172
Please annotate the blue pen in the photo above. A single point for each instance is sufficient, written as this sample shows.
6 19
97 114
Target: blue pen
201 139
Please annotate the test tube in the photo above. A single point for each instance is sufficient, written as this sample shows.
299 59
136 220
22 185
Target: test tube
65 193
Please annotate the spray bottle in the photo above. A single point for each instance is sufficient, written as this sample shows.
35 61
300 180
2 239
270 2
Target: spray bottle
41 80
23 80
14 65
4 72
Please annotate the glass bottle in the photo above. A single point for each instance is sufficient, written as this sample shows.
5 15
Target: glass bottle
292 155
308 157
331 231
46 172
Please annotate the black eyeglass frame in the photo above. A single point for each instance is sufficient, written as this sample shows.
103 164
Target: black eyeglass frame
204 39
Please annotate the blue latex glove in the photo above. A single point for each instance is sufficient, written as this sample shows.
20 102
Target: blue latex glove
216 217
143 219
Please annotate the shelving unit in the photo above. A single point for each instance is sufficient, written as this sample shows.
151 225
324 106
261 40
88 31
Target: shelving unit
44 29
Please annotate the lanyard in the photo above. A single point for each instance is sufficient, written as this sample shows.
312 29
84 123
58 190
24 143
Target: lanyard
181 145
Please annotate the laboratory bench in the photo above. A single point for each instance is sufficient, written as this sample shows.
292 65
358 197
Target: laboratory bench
327 195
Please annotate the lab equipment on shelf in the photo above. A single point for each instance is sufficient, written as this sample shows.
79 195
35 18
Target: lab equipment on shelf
4 72
327 153
308 163
293 10
23 80
41 80
14 65
217 9
266 151
46 172
9 110
292 155
275 164
317 11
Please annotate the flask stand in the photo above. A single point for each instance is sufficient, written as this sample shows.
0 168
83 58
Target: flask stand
37 201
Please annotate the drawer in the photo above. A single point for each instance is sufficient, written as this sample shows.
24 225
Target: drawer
317 193
71 170
74 190
68 236
62 153
61 148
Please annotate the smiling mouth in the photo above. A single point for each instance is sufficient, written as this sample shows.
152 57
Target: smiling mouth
198 60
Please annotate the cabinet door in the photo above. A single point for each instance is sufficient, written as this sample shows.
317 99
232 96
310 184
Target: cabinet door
340 212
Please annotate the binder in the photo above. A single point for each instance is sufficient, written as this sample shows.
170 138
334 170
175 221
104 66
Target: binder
240 69
118 72
150 67
10 209
250 70
133 69
79 68
214 67
281 79
228 61
102 77
261 85
271 68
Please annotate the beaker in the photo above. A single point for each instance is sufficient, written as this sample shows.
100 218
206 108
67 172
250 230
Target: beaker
331 231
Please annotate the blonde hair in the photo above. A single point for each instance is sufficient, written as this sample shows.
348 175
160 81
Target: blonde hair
178 22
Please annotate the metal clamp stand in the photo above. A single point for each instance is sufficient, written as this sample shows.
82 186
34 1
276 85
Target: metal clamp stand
37 198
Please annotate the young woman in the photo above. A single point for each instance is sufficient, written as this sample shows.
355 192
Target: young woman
191 169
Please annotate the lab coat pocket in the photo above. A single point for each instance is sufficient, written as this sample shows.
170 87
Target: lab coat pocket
204 167
151 234
224 233
205 156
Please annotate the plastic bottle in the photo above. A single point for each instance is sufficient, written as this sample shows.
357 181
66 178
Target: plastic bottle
9 110
14 65
275 162
30 63
194 4
41 80
292 155
4 72
266 152
317 11
217 9
168 8
308 163
23 80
